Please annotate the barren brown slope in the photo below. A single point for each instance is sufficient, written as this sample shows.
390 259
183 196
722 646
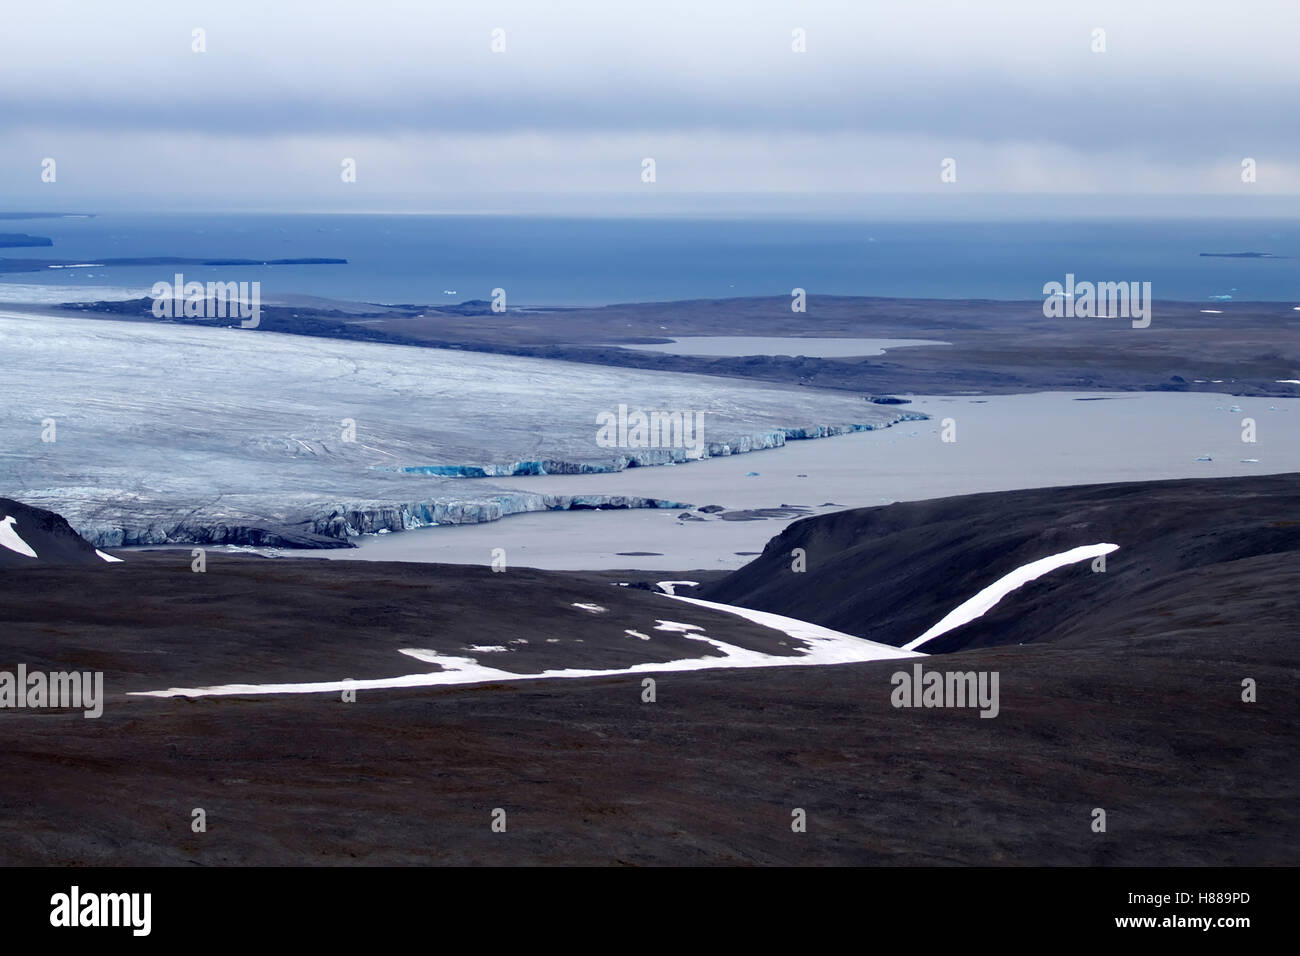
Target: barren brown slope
889 573
1136 710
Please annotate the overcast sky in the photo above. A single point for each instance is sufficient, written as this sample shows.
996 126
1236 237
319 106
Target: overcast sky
560 122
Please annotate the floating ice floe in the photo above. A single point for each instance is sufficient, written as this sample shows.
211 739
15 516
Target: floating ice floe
593 608
982 602
9 538
108 557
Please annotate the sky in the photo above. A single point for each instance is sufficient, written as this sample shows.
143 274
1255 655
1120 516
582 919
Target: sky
561 117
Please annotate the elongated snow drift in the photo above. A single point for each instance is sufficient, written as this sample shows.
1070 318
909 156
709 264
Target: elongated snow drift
980 604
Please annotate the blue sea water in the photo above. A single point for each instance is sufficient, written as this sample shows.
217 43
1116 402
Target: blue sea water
552 261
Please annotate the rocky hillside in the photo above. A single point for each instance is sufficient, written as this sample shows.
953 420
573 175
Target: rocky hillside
31 536
890 573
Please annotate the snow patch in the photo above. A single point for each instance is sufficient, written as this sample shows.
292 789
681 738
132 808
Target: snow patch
9 538
674 627
825 647
980 604
668 586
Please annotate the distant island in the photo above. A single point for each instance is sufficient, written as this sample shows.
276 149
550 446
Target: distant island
47 215
36 265
10 240
1243 255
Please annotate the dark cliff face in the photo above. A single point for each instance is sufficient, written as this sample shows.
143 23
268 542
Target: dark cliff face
1186 548
46 533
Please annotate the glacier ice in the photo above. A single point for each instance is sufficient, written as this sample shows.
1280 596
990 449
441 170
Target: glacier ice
170 433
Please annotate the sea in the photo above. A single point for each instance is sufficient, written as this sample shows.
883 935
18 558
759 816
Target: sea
539 261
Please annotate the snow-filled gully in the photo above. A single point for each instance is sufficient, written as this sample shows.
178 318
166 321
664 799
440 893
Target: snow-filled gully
822 646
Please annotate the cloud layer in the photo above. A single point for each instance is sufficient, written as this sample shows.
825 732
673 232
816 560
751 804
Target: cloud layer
561 120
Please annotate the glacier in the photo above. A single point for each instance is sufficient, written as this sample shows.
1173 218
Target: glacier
170 433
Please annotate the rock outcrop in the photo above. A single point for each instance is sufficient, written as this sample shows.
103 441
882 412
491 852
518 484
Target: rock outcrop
33 536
